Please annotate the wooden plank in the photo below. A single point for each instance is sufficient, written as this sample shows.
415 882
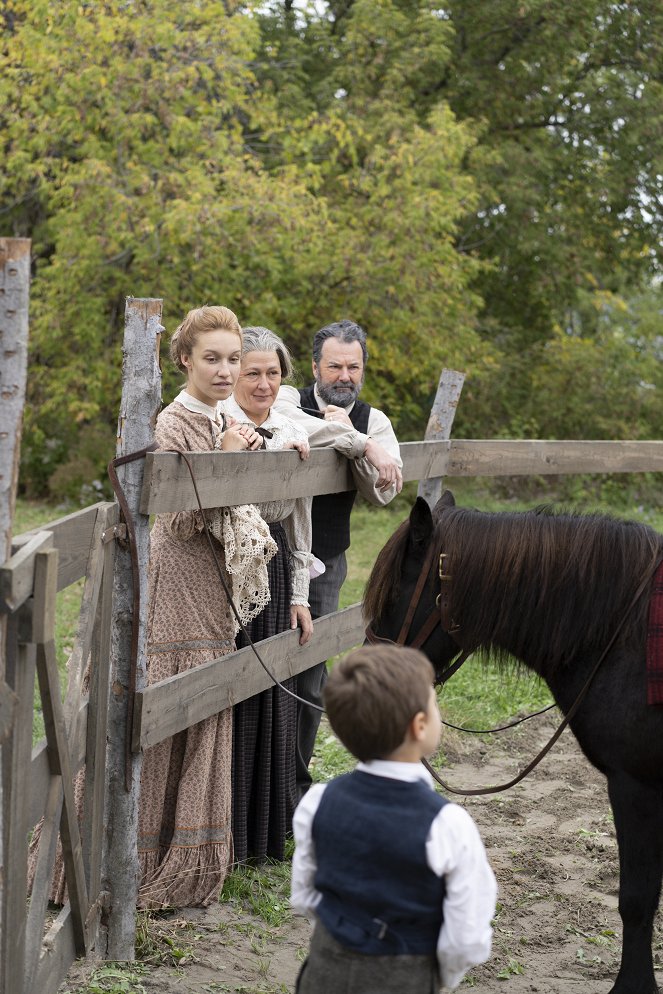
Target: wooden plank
72 536
179 702
80 652
58 953
14 302
523 457
39 776
231 478
17 573
15 761
56 737
41 884
14 324
141 398
439 426
227 478
95 769
7 710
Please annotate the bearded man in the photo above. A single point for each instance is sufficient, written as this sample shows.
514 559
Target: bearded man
333 415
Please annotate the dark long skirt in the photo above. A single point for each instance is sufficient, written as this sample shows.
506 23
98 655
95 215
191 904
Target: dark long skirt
264 736
332 969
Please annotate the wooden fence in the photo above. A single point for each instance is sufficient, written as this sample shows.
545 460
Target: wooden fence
89 731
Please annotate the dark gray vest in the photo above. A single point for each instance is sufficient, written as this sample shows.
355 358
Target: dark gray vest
330 513
379 896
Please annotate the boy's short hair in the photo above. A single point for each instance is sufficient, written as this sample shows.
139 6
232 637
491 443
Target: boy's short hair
372 696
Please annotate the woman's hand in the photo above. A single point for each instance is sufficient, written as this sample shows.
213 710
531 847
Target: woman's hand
300 617
302 446
238 438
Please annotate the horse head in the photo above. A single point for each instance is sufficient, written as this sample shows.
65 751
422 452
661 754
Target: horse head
401 597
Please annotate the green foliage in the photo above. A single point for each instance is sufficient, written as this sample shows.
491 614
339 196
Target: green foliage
476 184
263 890
116 978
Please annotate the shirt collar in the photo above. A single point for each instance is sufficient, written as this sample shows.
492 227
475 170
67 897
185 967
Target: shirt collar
323 405
231 408
197 406
393 770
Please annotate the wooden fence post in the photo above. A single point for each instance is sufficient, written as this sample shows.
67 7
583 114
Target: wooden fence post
439 425
141 397
14 300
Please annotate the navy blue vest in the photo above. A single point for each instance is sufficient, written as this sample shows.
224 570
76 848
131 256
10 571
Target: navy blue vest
378 895
330 514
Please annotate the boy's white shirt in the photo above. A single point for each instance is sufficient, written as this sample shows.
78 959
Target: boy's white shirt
454 850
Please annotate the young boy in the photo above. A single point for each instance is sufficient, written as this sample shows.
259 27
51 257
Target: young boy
394 877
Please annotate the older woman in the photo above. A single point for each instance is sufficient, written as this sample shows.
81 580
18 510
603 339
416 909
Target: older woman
264 735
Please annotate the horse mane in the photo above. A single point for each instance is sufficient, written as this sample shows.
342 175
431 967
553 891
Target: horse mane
382 585
547 584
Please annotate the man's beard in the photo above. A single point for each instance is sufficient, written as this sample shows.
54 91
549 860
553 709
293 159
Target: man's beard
340 395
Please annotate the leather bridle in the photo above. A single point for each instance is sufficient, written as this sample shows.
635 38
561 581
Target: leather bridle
439 616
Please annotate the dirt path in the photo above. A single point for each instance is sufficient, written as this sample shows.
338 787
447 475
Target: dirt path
551 843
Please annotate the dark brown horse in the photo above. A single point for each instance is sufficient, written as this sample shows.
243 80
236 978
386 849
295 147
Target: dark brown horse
553 590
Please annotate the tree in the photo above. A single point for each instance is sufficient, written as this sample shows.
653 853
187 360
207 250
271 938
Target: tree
124 158
565 105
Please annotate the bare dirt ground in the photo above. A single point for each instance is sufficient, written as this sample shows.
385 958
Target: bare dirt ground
551 843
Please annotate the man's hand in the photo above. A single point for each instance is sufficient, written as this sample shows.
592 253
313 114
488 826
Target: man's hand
389 472
333 413
300 617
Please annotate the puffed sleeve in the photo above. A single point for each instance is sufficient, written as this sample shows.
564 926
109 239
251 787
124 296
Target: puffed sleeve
297 527
174 431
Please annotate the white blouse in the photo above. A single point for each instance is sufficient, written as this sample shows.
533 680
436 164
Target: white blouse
293 513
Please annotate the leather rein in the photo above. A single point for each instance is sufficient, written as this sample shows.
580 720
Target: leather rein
441 615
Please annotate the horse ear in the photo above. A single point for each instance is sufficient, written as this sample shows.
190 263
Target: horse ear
421 522
446 500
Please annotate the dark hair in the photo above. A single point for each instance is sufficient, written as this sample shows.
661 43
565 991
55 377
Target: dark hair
259 339
345 331
372 696
197 322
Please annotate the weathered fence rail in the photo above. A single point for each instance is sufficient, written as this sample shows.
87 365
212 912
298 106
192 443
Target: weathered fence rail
272 475
36 955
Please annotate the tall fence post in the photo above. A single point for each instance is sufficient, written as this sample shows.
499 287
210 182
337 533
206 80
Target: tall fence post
439 425
14 301
141 397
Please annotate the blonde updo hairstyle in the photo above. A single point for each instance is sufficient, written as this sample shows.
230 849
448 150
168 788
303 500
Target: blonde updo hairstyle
196 323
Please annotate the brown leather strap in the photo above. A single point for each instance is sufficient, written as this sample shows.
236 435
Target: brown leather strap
414 599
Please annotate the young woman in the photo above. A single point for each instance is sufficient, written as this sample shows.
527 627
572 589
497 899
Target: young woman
264 738
184 831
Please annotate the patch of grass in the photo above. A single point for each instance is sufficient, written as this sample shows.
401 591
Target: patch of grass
114 978
513 968
262 890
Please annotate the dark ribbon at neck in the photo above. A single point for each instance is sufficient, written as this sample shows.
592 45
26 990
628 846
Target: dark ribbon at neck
265 434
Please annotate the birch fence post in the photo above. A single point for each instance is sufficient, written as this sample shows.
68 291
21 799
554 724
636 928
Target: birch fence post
14 300
439 425
141 397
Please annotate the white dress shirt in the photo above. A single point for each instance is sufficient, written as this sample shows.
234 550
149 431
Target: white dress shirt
454 850
346 440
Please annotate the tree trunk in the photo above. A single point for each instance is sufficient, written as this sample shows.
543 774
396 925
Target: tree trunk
141 398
